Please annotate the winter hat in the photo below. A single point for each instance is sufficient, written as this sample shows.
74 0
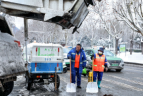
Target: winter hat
101 49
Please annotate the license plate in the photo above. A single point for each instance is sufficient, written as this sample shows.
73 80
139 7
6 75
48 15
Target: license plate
114 64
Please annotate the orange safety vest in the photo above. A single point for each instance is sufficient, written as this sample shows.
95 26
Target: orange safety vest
77 61
99 63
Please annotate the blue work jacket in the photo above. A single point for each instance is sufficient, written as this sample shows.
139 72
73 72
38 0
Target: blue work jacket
72 55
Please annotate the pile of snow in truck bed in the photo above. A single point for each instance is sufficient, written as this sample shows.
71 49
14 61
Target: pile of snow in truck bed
11 60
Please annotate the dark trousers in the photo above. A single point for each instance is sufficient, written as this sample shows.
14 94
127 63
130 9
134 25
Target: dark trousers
99 74
78 77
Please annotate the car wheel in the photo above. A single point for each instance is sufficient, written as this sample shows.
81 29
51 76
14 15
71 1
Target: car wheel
118 70
65 70
84 74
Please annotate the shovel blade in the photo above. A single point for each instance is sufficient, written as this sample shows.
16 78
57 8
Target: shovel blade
71 87
92 87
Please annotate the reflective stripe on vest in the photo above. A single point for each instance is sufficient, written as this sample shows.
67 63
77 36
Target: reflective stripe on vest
77 61
99 63
74 61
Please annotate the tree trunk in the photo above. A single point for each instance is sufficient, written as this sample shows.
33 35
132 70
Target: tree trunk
142 47
116 46
131 47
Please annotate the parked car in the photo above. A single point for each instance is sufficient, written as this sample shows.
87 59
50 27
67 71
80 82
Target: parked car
65 53
113 61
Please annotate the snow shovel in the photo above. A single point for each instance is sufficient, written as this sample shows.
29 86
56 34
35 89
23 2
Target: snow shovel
92 86
70 86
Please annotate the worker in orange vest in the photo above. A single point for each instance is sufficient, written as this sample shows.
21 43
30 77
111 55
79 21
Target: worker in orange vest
100 62
78 62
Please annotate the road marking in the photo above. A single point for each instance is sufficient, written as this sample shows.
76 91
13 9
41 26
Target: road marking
131 65
122 84
86 80
129 73
133 69
138 78
140 83
65 80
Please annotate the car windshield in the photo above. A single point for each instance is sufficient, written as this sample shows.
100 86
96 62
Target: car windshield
106 53
66 50
96 51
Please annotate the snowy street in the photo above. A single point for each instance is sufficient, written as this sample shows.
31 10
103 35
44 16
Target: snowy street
128 82
44 44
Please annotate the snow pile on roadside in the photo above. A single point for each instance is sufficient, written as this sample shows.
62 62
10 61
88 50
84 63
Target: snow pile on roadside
134 58
11 60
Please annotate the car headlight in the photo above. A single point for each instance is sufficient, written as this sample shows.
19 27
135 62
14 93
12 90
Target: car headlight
122 62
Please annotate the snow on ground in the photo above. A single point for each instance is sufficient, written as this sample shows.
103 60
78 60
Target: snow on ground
36 90
134 58
11 60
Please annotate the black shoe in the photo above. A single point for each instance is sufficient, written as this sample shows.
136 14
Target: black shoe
79 87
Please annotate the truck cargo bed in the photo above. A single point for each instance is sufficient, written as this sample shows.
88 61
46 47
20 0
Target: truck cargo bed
11 61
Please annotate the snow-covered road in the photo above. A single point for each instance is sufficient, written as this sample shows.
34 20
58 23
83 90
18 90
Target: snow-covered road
128 82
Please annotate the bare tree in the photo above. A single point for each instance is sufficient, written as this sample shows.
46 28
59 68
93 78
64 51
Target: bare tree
131 12
110 23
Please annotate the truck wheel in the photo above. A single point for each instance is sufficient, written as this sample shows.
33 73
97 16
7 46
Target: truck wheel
8 88
58 82
65 70
1 92
118 70
84 74
28 83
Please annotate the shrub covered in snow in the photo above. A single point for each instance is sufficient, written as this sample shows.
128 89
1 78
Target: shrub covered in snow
11 60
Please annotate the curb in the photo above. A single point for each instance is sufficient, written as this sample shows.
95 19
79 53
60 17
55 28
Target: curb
133 63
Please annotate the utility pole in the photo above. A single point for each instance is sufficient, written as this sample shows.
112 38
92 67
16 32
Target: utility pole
26 36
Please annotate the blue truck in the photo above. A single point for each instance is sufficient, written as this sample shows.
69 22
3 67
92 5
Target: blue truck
44 60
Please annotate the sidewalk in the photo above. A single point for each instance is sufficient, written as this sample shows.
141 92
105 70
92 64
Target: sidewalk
135 58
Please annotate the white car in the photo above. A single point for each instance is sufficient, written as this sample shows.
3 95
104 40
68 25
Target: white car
65 53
